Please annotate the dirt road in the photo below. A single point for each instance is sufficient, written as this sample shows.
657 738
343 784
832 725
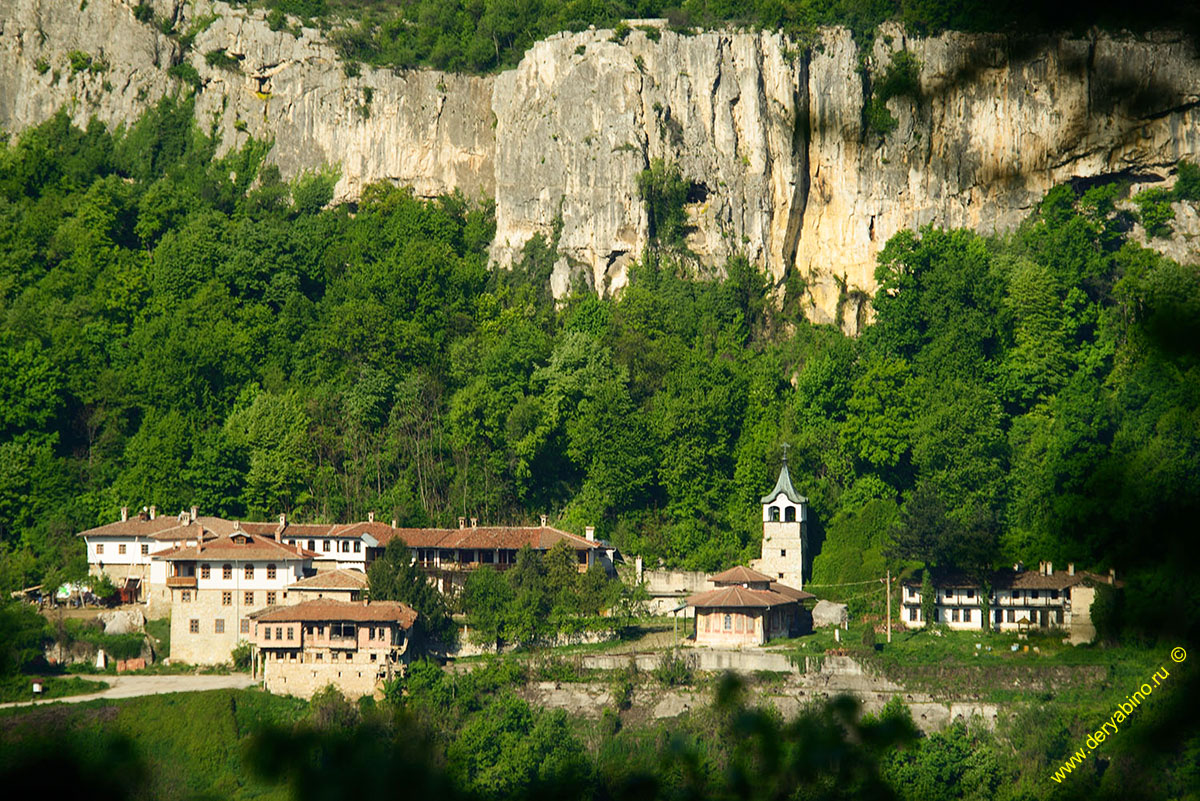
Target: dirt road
131 686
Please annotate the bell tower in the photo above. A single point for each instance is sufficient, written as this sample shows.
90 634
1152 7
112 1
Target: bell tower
785 531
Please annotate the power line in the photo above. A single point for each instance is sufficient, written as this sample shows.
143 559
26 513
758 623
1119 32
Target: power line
848 583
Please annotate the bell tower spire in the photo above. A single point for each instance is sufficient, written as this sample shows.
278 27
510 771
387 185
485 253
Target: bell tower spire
785 530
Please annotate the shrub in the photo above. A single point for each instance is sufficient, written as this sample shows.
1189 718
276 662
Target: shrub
79 61
1154 209
1187 182
665 192
221 60
901 78
276 20
620 32
241 655
186 73
674 669
144 12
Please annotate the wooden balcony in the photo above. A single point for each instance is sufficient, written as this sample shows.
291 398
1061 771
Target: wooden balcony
181 582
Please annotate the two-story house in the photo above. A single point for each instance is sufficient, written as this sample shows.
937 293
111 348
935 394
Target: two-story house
216 585
1019 599
354 646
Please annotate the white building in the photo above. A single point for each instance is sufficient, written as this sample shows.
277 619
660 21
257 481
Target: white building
785 532
124 549
1020 599
216 585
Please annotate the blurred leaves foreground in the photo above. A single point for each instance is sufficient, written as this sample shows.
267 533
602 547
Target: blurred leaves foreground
338 751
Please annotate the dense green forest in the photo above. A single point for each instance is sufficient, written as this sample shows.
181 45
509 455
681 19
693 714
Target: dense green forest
484 35
179 329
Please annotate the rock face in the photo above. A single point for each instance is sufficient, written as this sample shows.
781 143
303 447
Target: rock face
771 138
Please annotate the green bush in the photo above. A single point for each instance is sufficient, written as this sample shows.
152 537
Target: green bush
674 669
241 655
222 60
1187 182
185 72
276 20
900 79
664 191
619 32
79 60
1155 212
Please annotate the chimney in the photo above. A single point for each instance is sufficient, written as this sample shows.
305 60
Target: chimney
193 512
370 517
590 533
462 522
153 512
1018 567
283 520
1070 568
1112 576
124 513
394 522
1049 568
474 522
544 518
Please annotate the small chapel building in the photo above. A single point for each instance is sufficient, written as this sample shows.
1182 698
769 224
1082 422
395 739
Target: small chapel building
746 608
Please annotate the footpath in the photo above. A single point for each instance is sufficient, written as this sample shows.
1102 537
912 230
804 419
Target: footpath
133 686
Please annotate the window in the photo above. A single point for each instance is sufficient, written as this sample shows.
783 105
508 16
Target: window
291 631
345 546
271 572
358 546
970 593
789 514
204 571
194 626
320 657
729 622
911 592
370 633
1033 595
349 657
279 632
266 632
1012 616
99 548
1058 616
270 599
219 626
227 598
185 596
121 548
145 550
912 613
245 626
325 545
954 615
1054 595
773 514
312 545
249 571
248 598
227 572
783 551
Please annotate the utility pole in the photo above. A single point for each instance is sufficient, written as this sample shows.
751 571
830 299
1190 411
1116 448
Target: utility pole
889 604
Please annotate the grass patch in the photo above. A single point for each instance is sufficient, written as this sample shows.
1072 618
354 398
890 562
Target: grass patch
19 688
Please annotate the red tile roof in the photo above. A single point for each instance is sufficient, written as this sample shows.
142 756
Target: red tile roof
344 579
135 527
740 575
739 597
255 547
490 537
324 609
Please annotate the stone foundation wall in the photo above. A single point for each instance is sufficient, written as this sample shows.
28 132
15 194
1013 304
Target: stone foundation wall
306 679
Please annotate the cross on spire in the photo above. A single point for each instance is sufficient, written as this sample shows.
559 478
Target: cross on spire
785 450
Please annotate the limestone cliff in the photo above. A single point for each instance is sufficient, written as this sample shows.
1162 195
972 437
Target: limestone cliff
771 137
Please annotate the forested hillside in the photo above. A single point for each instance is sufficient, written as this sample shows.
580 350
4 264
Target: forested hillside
180 330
